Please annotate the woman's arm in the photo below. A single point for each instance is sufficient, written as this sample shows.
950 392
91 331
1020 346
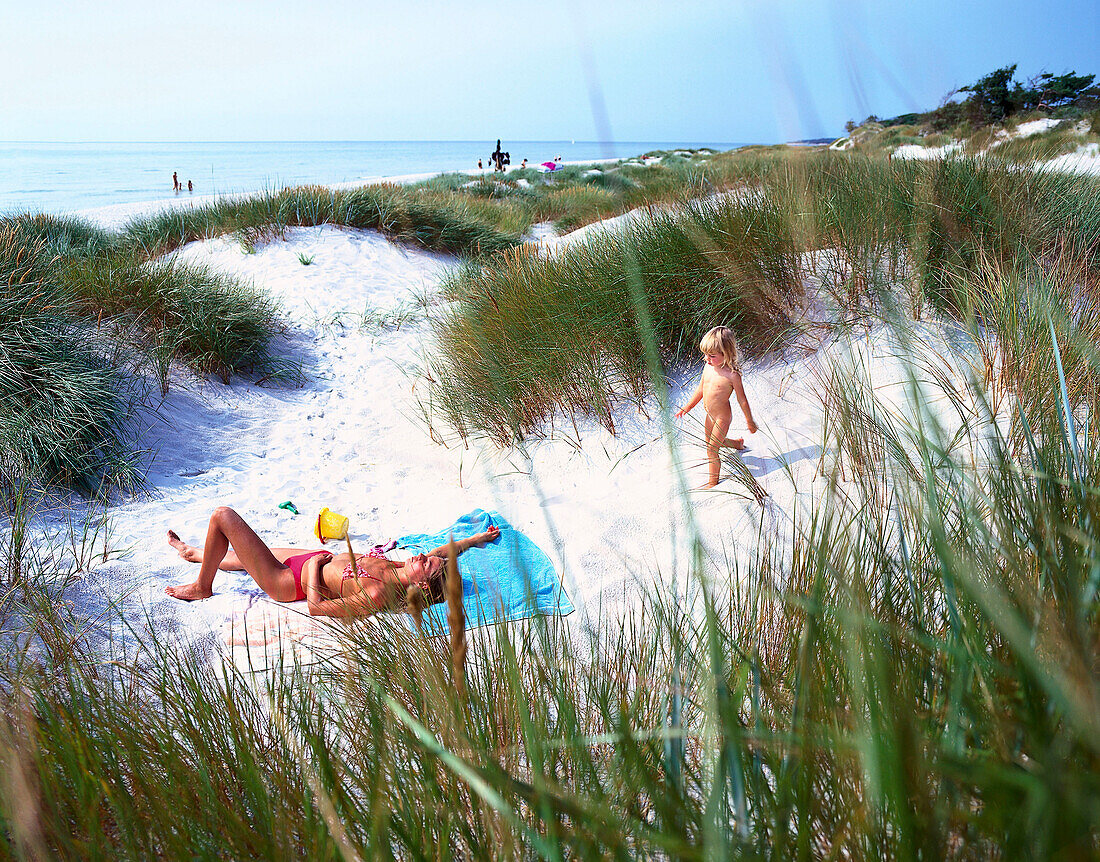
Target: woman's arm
369 601
465 544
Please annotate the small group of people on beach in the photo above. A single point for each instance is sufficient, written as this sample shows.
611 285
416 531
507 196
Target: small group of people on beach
177 186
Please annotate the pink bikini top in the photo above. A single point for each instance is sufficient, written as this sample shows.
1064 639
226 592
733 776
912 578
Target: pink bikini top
378 552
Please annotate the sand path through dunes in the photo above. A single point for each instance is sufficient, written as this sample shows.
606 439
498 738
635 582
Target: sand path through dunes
353 438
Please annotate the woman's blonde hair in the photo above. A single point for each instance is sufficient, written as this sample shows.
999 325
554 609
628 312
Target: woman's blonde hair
721 340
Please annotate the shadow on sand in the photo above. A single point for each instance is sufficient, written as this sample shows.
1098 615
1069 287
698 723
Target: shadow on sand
762 466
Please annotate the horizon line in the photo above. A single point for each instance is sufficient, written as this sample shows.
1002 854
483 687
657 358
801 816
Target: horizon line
360 141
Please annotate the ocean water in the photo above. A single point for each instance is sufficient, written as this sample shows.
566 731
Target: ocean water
63 177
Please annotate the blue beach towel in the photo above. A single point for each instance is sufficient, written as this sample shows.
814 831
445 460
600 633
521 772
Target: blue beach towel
509 579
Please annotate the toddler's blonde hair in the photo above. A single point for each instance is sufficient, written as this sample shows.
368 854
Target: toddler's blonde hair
721 340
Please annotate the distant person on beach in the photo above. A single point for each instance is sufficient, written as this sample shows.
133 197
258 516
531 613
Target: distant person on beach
330 584
721 379
190 188
497 158
479 164
524 163
175 182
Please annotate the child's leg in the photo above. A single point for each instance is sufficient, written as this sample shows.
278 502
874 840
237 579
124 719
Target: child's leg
716 435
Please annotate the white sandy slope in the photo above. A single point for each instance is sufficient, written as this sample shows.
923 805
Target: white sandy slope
354 438
1084 160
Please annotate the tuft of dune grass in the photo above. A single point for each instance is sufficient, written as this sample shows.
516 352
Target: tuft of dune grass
531 335
211 322
63 400
79 317
568 320
434 220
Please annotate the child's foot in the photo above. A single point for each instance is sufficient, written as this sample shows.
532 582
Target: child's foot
189 592
186 551
738 444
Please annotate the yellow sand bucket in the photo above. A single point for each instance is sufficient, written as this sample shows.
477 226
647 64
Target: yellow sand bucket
330 526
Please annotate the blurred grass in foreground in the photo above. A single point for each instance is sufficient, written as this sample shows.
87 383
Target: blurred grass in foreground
912 673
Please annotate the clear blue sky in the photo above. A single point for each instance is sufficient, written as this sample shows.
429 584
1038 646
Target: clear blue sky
697 70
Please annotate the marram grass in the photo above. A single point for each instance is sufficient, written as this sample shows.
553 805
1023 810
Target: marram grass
914 676
809 240
81 322
63 399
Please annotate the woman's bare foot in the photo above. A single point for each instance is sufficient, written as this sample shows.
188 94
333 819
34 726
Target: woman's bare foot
738 444
189 592
186 551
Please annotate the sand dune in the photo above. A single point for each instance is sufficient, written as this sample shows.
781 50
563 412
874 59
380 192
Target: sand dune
355 438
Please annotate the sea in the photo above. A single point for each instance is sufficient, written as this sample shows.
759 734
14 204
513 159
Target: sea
60 178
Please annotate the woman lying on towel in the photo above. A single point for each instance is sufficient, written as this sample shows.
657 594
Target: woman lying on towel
330 584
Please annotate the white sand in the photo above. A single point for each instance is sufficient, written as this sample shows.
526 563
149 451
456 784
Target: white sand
353 438
1084 160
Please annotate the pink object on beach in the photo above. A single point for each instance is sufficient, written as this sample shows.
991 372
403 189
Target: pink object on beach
551 166
380 550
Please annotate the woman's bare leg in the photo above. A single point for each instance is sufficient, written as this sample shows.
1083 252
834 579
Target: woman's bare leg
230 562
228 528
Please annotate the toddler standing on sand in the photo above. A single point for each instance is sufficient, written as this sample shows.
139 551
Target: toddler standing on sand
721 379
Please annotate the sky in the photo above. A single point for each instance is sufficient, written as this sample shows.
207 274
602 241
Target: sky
629 70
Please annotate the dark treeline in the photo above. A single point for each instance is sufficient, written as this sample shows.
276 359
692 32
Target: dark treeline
999 96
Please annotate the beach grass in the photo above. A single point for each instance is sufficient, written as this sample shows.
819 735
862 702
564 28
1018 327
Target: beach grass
1044 146
532 335
180 313
909 672
567 321
63 397
435 220
83 323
